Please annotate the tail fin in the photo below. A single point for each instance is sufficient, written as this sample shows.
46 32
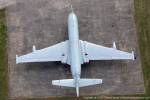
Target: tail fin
77 84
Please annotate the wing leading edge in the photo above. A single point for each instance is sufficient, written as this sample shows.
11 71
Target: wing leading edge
92 51
58 52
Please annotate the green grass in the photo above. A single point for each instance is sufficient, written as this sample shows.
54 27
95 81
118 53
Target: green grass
3 57
142 20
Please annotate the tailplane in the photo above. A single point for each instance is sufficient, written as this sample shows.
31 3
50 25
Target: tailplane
76 84
64 82
88 82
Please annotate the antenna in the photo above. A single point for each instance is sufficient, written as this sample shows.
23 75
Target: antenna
71 8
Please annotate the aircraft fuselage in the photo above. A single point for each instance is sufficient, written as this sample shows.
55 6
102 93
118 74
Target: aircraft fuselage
74 47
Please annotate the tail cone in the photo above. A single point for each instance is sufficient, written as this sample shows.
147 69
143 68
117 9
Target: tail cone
77 91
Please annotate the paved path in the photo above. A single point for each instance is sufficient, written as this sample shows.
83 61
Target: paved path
44 23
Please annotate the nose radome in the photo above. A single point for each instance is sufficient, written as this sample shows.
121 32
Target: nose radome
72 14
72 17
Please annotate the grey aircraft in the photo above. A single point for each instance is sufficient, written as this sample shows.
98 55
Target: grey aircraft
75 52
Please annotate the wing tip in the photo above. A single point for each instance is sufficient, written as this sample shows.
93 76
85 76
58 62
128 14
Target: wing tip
54 82
17 59
133 55
100 81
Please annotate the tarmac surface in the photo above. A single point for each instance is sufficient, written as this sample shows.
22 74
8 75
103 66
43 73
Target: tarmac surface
44 22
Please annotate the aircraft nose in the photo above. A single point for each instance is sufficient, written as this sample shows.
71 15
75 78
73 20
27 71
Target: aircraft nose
72 17
72 14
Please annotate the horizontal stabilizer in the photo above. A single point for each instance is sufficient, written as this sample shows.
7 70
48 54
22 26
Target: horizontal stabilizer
88 82
64 82
81 82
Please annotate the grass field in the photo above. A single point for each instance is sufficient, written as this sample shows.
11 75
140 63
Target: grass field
3 57
142 20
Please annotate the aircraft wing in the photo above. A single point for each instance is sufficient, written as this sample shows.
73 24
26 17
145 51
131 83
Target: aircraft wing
56 52
92 51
